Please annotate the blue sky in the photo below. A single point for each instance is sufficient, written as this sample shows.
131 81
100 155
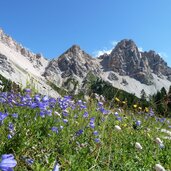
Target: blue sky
52 26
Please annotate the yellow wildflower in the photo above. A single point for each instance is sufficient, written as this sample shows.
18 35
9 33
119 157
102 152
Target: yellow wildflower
124 102
135 106
146 109
140 108
117 99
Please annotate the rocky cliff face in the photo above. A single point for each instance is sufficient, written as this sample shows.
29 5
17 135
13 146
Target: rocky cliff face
73 65
22 66
125 59
157 65
36 59
5 65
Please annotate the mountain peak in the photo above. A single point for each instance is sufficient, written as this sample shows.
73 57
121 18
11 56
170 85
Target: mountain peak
74 49
127 41
126 44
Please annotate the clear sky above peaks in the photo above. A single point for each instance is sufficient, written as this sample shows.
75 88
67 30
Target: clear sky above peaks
52 26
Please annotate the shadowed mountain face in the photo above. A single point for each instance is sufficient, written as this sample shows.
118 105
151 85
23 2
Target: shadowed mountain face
125 67
157 64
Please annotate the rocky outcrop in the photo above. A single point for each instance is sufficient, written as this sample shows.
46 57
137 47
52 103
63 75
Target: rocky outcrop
125 59
36 59
157 64
73 63
112 76
76 61
5 65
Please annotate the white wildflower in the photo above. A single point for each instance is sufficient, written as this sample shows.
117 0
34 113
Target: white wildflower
56 113
167 137
102 98
158 141
158 167
117 127
138 146
97 96
166 131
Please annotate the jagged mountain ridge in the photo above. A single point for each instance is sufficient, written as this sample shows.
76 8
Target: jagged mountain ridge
22 66
127 60
74 65
125 67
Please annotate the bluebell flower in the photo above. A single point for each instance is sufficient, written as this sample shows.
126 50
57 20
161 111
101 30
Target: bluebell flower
92 122
2 117
100 104
92 119
65 120
7 162
151 113
138 123
54 129
83 106
95 133
9 136
56 167
104 111
116 114
37 98
27 90
2 100
97 140
79 102
29 161
42 106
85 115
42 114
34 105
119 118
11 126
15 115
45 98
65 113
48 112
79 132
162 120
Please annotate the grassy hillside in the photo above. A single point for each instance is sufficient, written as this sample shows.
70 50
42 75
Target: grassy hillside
43 133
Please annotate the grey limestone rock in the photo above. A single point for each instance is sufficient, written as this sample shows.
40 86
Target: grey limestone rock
5 65
112 76
126 59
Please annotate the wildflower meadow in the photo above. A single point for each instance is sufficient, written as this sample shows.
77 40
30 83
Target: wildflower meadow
40 133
